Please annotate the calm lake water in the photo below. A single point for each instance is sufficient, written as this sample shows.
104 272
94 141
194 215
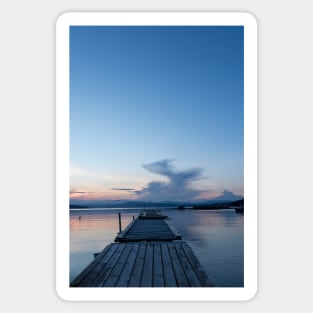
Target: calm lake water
216 238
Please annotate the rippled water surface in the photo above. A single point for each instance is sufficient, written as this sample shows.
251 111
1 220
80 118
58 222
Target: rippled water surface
216 237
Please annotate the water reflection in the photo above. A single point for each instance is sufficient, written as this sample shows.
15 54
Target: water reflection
215 236
217 239
99 219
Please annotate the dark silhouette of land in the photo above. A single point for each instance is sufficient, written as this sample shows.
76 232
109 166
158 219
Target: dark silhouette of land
207 205
238 205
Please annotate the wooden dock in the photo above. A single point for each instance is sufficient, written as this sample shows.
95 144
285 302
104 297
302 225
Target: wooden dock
152 264
148 230
152 214
148 253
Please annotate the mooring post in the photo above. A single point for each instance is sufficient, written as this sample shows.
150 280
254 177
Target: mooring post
133 217
119 222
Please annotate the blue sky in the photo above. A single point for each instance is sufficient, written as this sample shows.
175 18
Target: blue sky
156 113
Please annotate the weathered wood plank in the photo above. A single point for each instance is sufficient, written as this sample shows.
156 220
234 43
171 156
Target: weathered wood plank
135 278
158 279
151 214
155 264
91 271
168 271
178 269
148 230
125 231
105 272
185 262
173 230
146 280
118 268
129 266
204 279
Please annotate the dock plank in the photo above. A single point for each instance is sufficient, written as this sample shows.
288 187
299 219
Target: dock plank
118 268
197 267
145 264
152 214
148 230
146 280
102 276
129 266
185 262
158 279
125 231
180 276
87 276
135 278
168 271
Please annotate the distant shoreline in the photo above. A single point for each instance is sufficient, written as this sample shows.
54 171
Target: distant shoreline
238 205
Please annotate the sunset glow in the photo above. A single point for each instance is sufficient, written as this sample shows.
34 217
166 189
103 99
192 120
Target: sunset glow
156 113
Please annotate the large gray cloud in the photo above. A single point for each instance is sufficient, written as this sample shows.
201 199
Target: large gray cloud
178 187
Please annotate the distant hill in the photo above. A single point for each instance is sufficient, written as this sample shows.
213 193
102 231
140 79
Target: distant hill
120 204
237 203
220 203
77 206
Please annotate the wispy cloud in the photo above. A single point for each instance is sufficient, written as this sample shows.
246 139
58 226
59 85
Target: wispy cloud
80 192
88 192
178 186
172 185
